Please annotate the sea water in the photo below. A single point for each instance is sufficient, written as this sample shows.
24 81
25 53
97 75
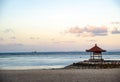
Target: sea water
47 60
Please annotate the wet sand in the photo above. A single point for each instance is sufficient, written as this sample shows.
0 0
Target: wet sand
61 75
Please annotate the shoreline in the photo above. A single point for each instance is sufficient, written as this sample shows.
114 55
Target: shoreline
31 67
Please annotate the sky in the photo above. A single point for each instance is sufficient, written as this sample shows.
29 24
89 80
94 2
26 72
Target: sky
59 25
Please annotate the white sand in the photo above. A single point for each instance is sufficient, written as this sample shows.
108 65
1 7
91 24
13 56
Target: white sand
61 75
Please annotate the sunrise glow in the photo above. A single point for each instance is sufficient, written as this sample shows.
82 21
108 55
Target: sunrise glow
59 25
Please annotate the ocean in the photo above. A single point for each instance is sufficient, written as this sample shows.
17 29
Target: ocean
46 60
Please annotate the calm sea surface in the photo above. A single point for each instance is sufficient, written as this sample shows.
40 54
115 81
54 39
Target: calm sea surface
47 60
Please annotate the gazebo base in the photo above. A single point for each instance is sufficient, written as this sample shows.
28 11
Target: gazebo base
96 60
87 64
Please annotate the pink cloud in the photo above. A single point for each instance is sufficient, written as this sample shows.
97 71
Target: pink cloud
89 31
115 31
75 30
96 31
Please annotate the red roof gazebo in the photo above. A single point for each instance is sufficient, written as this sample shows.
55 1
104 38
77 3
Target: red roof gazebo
96 53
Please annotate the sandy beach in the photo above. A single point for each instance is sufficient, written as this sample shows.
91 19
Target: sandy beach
61 75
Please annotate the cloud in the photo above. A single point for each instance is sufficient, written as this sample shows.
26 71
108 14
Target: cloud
75 30
115 31
89 31
8 31
18 44
1 39
115 27
33 38
52 39
13 44
91 40
13 38
97 31
59 42
87 34
117 22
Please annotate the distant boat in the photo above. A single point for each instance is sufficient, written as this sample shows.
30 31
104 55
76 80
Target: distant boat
34 51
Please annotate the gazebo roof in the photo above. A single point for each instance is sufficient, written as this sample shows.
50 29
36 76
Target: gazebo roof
95 49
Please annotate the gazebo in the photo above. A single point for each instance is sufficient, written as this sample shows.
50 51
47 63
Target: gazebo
95 53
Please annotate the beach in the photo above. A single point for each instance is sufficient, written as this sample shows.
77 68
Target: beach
61 75
48 67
